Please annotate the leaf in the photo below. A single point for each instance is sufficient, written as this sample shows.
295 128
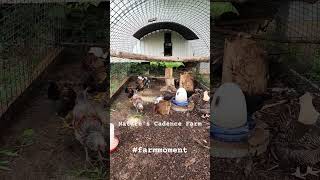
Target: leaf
4 168
8 153
28 132
4 162
218 8
167 64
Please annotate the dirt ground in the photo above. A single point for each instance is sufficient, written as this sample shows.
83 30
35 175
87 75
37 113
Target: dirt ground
264 166
128 165
54 152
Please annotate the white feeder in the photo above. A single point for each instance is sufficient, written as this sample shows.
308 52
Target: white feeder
229 106
181 95
113 140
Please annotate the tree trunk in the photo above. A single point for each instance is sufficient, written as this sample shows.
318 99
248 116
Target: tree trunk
245 64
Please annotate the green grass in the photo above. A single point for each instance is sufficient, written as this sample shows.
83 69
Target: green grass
4 155
94 173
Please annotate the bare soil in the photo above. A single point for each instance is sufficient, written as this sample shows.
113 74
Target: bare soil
128 165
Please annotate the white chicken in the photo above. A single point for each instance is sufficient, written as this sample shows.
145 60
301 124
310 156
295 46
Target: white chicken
88 126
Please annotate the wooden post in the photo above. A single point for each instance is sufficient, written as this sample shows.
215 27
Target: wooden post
245 64
169 78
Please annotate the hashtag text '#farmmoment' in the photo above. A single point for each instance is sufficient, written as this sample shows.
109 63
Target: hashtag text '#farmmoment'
159 150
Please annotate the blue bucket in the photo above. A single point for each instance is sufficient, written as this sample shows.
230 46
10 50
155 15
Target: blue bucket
185 103
232 135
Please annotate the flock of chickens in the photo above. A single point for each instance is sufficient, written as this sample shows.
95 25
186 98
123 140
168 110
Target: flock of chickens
87 117
162 104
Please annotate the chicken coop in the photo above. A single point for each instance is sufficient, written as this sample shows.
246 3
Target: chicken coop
282 40
158 35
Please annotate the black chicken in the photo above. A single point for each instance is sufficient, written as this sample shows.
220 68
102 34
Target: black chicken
63 96
53 91
129 91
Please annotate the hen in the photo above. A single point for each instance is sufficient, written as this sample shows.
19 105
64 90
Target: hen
88 126
64 97
298 145
142 82
137 102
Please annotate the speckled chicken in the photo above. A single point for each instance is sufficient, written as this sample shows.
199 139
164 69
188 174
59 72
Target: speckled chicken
202 101
298 144
88 126
137 102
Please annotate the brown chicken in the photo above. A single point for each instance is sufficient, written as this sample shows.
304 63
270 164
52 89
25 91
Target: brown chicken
96 73
88 126
162 107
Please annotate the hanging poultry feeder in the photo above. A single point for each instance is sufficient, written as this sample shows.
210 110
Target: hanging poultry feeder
114 141
180 102
233 132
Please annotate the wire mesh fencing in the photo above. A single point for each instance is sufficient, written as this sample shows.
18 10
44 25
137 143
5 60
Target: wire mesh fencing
289 31
26 33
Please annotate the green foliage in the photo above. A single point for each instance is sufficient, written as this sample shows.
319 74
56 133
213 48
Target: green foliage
85 20
5 153
96 173
27 137
167 64
218 8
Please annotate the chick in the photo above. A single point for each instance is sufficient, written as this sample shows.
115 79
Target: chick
88 126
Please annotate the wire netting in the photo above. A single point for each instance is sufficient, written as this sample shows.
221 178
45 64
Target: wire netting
289 31
127 17
26 33
33 33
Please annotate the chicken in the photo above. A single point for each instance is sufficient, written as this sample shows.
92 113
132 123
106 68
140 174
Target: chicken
64 97
298 144
162 106
95 76
300 153
201 100
142 82
129 91
88 126
53 91
137 102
